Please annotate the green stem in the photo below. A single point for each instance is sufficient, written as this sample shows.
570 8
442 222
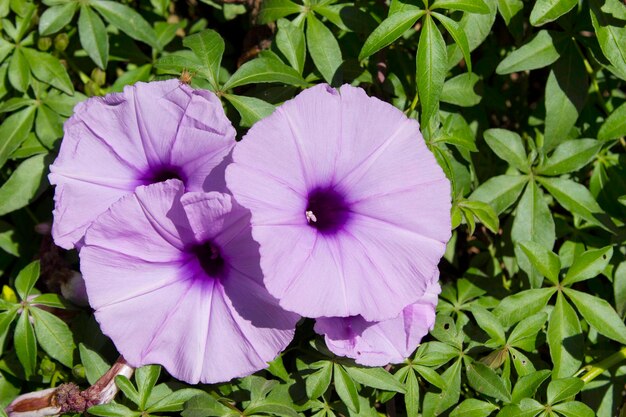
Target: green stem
595 370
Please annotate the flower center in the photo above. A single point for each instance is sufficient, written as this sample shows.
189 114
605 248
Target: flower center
162 173
210 259
327 210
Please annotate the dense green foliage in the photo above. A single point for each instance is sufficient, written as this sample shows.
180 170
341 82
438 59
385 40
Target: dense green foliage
522 103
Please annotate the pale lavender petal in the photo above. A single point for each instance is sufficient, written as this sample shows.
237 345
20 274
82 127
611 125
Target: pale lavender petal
218 219
345 185
159 289
149 133
384 342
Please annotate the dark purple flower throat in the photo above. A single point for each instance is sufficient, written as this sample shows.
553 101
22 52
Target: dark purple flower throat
210 259
327 210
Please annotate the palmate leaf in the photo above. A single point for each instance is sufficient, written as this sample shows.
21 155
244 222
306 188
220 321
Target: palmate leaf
291 42
57 17
208 46
127 20
24 184
608 21
53 335
599 314
539 52
545 11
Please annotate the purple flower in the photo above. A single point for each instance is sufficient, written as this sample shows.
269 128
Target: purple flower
175 280
384 342
149 133
351 210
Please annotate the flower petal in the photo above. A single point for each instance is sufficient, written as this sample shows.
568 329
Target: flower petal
381 343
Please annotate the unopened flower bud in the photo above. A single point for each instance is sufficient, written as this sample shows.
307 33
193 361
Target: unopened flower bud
98 76
44 43
61 41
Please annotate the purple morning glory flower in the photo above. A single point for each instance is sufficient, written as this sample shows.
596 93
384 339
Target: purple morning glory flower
149 133
175 280
384 342
351 210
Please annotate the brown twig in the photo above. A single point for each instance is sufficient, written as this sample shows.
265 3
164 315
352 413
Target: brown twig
68 398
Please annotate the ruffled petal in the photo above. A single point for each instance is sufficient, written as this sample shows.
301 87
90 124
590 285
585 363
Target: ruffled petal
384 342
150 132
155 299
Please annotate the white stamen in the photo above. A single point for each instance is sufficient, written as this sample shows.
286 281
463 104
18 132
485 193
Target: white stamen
310 217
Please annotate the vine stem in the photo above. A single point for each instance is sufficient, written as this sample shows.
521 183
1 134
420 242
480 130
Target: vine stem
598 369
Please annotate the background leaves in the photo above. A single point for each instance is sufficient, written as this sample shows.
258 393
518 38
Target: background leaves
523 106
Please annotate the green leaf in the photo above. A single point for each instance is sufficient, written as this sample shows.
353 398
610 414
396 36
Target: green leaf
346 388
54 336
112 410
48 125
546 11
95 365
574 409
208 46
26 279
5 50
460 90
525 333
435 354
375 377
522 304
8 241
275 9
430 375
472 6
324 50
508 146
146 378
540 52
317 383
599 314
290 41
476 27
577 199
608 21
412 397
527 385
614 127
389 30
588 265
23 185
570 156
472 407
544 260
500 192
49 300
485 380
619 288
174 401
56 18
565 96
19 72
25 344
532 219
250 109
431 68
93 36
564 339
205 405
437 403
509 9
127 387
526 408
564 388
483 212
264 70
274 409
48 69
6 318
489 323
127 20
